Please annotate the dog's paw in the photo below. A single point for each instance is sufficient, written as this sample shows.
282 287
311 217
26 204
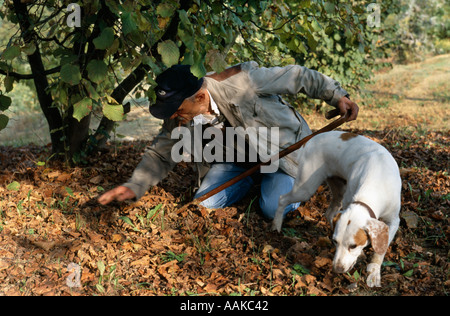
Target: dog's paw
277 221
374 277
275 227
374 280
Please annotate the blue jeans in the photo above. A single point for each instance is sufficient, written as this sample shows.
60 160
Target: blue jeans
273 185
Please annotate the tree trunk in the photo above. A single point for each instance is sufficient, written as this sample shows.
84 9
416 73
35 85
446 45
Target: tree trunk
52 114
76 132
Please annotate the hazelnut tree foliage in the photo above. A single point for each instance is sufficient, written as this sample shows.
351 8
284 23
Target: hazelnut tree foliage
120 46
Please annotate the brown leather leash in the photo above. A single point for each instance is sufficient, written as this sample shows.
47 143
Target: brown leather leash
276 157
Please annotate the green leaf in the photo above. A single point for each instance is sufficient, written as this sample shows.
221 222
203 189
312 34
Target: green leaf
113 112
114 47
68 59
216 60
198 69
188 58
101 267
216 7
329 7
13 186
169 52
143 24
69 191
356 275
105 40
299 269
100 288
111 100
5 102
153 211
93 94
129 222
114 6
408 273
184 18
187 38
97 70
126 220
312 43
128 23
10 53
3 121
29 49
82 108
9 83
70 74
164 10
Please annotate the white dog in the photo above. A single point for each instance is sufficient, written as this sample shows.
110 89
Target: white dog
365 183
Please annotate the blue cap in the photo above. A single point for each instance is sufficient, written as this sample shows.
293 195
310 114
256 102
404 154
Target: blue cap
174 85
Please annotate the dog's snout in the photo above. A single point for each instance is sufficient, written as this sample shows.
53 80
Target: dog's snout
339 268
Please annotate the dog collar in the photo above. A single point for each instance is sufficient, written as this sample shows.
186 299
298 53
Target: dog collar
369 209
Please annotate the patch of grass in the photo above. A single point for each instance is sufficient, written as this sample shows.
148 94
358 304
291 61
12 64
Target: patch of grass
413 97
170 256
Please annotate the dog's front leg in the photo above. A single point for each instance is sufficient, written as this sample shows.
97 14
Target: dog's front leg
378 233
374 271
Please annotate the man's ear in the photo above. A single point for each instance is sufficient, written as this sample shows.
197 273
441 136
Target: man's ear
379 235
200 96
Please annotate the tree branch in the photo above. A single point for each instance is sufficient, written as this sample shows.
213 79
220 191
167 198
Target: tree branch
56 40
29 76
258 26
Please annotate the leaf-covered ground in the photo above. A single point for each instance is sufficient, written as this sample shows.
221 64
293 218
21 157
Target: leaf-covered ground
50 221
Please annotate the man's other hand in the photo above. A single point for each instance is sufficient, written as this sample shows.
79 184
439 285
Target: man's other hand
120 194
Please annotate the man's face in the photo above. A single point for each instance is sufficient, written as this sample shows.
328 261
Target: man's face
192 107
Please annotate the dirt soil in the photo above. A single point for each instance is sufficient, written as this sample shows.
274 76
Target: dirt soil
53 231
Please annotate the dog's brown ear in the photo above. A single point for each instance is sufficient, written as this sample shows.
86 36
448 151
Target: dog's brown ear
379 235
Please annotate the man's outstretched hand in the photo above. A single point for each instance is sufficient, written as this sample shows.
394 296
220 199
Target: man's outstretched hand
344 105
120 194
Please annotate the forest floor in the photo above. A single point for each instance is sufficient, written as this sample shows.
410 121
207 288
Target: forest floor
51 224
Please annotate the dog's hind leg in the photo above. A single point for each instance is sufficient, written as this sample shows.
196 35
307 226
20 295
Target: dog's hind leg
305 186
337 186
283 202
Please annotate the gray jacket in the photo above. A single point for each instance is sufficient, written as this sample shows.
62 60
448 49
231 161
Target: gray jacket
248 96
